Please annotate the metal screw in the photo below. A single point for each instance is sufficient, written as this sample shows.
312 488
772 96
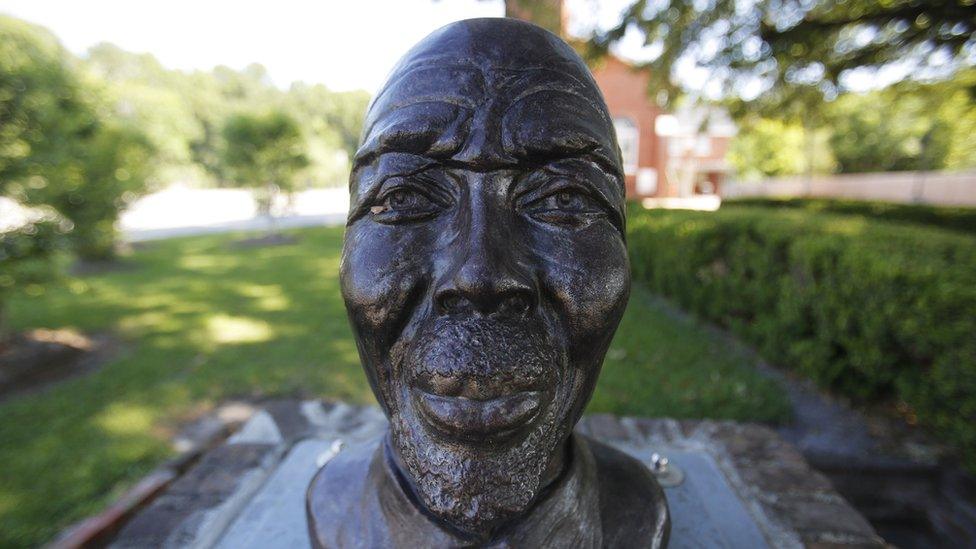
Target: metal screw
667 474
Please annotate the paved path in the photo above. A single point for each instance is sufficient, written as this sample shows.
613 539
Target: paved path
179 211
252 224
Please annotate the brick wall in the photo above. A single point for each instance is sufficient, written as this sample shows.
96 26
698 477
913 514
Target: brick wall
625 92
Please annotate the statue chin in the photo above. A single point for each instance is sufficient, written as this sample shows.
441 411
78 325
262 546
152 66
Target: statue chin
479 420
475 487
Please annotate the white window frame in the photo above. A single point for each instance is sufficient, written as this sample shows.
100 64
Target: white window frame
628 138
703 145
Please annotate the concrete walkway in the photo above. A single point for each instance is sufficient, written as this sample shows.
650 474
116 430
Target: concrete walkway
181 211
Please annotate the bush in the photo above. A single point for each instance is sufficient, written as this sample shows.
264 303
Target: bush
875 310
60 144
956 219
29 257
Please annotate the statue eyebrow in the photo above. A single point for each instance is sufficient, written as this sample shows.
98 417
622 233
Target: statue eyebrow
432 141
368 185
553 150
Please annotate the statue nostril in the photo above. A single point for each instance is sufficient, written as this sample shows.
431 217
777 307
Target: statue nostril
505 303
453 303
515 305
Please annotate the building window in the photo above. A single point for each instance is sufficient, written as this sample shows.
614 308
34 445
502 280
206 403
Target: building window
703 145
646 182
627 137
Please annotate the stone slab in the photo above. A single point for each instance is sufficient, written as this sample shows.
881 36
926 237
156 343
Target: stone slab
275 517
743 485
196 509
705 511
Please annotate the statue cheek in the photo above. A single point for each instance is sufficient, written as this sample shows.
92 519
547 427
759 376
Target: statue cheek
379 280
591 285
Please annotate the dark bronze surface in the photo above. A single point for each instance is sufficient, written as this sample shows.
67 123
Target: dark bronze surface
484 272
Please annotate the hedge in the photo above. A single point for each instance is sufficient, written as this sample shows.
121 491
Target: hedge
954 218
876 310
30 255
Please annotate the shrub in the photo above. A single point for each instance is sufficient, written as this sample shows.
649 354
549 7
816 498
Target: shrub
29 257
113 170
954 218
872 309
60 145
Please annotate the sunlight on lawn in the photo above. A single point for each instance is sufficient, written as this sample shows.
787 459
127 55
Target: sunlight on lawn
230 329
267 297
125 419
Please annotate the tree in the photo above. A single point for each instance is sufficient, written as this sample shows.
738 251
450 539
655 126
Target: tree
332 123
42 107
767 147
62 145
904 135
785 48
106 172
264 152
31 257
145 95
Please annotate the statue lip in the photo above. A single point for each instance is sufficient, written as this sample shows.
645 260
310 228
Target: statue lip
479 420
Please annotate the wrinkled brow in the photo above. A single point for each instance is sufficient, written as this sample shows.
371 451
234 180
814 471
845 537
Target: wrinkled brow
435 129
549 123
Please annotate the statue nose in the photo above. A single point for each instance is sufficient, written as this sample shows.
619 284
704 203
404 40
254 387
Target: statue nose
502 297
488 279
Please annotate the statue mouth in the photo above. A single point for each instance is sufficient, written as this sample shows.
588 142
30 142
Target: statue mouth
480 420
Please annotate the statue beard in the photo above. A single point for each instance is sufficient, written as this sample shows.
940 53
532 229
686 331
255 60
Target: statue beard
475 487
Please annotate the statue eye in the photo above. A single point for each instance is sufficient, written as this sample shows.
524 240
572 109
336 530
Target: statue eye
565 206
567 200
401 199
403 204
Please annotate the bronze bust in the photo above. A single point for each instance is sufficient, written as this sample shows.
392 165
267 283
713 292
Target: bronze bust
484 271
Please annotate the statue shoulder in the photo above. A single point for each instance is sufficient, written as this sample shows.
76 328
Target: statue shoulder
632 505
334 500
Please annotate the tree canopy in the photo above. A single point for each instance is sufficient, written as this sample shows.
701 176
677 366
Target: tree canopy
61 144
264 152
43 106
184 113
781 49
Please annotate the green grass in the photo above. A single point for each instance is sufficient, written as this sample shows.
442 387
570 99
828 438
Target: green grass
663 365
202 322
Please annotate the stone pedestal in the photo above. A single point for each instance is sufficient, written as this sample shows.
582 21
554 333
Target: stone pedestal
728 484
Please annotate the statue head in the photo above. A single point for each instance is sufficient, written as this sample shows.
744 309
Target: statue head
484 267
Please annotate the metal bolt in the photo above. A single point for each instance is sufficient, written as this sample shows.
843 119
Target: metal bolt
659 463
667 474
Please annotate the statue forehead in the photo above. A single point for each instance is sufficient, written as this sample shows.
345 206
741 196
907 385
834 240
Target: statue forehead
478 56
508 79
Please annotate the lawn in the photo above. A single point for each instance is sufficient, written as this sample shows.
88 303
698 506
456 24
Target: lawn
202 321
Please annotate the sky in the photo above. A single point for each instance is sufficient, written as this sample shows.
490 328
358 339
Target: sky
342 44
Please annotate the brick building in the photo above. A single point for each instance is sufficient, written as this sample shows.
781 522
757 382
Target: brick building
665 154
